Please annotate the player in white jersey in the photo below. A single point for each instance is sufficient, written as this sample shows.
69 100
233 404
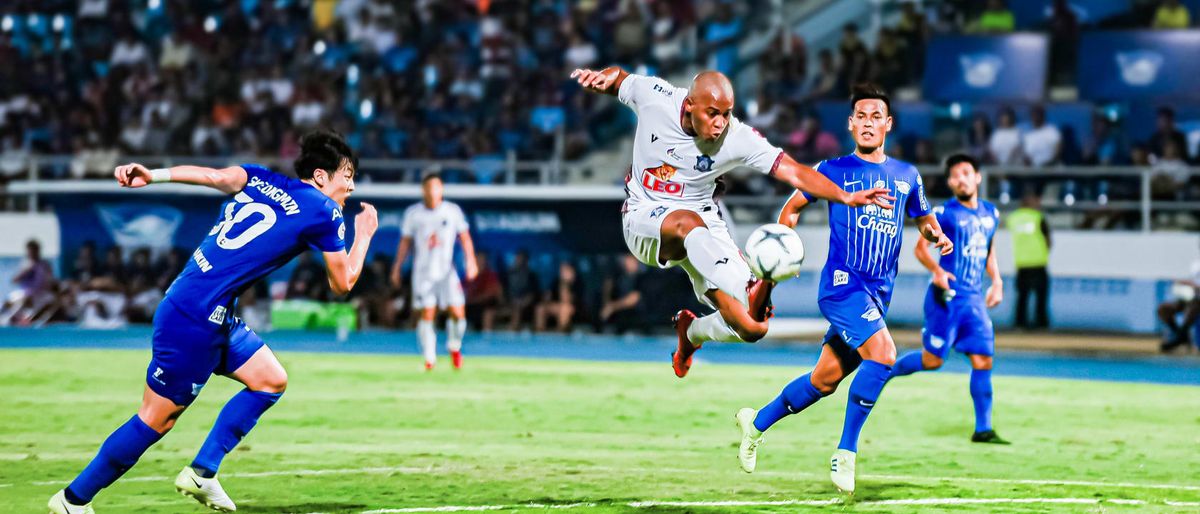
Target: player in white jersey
685 140
434 224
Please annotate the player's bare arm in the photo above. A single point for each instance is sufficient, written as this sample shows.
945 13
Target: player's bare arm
811 181
995 292
401 254
468 247
790 214
227 180
344 268
931 230
941 277
607 81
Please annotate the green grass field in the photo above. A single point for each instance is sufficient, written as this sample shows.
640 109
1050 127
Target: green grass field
362 432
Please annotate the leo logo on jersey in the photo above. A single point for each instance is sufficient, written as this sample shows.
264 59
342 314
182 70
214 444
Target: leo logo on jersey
659 180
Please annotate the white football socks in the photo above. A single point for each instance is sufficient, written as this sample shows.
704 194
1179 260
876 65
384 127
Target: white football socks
455 328
428 339
712 328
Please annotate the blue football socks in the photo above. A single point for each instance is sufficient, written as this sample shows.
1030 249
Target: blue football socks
864 391
238 416
796 396
908 364
981 395
119 452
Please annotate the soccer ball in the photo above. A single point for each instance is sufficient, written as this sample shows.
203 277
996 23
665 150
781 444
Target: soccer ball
774 252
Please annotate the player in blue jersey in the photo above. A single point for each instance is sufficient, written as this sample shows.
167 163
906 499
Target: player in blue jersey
856 284
956 304
270 219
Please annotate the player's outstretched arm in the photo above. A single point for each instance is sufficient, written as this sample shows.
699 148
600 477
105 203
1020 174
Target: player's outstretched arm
815 183
931 230
790 214
226 180
995 292
344 268
607 81
468 248
401 254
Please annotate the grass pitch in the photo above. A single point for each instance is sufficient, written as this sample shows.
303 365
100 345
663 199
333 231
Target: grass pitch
357 433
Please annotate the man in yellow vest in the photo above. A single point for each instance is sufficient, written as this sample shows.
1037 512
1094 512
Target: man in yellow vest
1031 253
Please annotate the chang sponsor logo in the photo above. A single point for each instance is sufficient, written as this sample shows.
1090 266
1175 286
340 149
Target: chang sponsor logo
877 224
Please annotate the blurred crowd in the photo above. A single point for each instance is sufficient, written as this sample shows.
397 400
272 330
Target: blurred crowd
107 289
403 79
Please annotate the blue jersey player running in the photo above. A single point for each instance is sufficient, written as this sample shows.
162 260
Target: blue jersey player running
270 219
856 284
956 304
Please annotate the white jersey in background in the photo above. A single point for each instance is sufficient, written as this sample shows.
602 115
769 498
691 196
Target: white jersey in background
669 166
433 233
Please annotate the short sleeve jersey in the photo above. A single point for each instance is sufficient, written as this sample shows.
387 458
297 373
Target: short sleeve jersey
433 232
671 166
271 220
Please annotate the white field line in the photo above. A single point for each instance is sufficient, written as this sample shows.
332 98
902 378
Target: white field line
937 502
451 469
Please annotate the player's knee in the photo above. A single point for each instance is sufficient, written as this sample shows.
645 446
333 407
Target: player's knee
751 333
274 382
931 362
682 222
981 362
825 387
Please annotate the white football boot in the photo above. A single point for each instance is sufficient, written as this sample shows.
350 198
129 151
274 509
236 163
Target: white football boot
751 438
59 505
207 491
841 470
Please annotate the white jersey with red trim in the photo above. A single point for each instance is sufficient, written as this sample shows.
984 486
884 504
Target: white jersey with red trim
672 167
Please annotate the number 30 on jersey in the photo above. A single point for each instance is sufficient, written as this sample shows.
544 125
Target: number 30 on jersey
236 213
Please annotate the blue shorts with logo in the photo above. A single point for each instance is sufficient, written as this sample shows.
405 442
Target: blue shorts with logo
187 351
962 323
855 312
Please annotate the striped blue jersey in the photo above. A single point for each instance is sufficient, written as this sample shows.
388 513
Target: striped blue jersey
972 231
864 242
270 221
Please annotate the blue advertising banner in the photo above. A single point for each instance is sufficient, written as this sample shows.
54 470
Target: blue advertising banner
1139 65
981 68
161 222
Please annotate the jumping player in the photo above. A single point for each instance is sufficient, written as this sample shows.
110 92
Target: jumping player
685 140
856 284
434 224
956 304
269 220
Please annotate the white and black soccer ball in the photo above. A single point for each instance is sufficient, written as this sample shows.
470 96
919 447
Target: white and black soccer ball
774 252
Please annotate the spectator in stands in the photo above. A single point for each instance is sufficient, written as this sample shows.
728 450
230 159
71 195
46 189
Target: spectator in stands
977 137
85 266
1031 254
485 295
1042 143
810 143
996 19
1104 145
1064 39
721 34
1171 14
622 297
561 301
1184 300
1005 142
1165 130
307 279
170 267
914 31
856 60
887 69
521 286
35 290
824 83
373 294
1170 178
142 287
666 36
102 300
